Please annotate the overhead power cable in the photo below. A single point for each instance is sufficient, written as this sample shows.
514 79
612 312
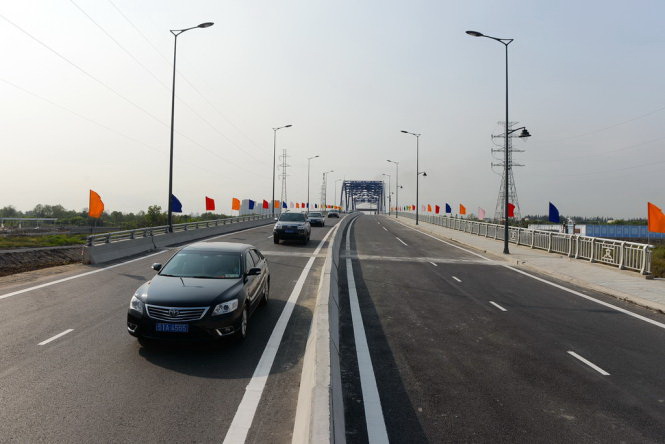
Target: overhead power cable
605 128
134 104
86 73
101 125
153 75
191 85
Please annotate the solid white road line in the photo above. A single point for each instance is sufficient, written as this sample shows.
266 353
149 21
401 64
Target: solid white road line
457 279
433 263
48 284
589 363
76 276
560 287
56 337
401 240
498 306
376 426
242 421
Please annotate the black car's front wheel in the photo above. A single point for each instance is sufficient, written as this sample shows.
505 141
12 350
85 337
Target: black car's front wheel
242 331
266 293
275 238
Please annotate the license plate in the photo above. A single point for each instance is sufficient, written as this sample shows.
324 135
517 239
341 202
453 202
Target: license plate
290 230
172 328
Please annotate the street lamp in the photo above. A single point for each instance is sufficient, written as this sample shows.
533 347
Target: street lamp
505 43
335 195
389 200
396 186
325 186
418 172
176 33
308 161
274 151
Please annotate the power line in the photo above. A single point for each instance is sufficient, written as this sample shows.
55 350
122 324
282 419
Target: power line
166 87
83 71
99 124
109 88
191 85
614 125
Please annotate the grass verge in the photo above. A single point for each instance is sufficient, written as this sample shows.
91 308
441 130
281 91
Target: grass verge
658 261
54 240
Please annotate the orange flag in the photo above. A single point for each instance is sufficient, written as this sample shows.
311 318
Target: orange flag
656 219
235 204
462 209
96 207
429 208
277 204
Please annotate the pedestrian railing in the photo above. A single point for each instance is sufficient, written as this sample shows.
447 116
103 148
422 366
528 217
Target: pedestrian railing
621 254
116 236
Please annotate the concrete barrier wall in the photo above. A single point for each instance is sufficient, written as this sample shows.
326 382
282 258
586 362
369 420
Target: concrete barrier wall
337 426
99 254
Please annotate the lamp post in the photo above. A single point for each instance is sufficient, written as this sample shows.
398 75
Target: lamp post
505 43
335 195
418 173
308 161
389 200
325 186
274 153
396 186
176 33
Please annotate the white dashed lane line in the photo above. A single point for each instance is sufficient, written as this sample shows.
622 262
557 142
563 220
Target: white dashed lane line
53 338
385 228
401 241
433 263
589 363
457 279
498 306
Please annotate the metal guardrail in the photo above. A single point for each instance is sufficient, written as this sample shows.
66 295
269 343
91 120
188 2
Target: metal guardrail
621 254
117 236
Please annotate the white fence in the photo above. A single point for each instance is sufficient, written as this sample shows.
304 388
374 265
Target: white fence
625 255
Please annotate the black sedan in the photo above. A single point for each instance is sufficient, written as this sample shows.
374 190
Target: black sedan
208 290
292 226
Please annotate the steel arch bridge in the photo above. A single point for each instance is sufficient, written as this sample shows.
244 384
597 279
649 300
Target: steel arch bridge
355 192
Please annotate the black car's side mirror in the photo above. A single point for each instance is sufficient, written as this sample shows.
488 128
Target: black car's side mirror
156 267
254 271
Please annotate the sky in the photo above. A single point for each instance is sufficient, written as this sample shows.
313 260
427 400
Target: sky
86 101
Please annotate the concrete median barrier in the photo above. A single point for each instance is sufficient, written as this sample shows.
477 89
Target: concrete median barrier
99 254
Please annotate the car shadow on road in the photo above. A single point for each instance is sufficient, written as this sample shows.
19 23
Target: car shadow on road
228 358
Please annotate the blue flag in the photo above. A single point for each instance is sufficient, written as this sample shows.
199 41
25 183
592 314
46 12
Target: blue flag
176 206
251 204
284 205
554 214
448 209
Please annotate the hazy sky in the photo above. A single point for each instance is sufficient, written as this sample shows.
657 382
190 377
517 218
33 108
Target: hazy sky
86 100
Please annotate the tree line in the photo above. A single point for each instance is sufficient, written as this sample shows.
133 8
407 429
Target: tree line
154 216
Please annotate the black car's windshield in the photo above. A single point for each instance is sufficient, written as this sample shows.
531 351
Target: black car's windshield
203 264
292 217
314 214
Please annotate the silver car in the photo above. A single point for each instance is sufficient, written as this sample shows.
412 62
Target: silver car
316 219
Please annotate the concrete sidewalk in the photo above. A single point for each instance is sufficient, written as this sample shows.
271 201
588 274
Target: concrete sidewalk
622 284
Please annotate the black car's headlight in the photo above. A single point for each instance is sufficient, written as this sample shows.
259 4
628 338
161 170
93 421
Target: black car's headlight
136 304
225 307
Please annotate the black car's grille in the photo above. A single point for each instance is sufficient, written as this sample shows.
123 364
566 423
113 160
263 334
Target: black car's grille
176 314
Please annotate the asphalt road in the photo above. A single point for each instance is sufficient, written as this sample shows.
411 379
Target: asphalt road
96 383
464 349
